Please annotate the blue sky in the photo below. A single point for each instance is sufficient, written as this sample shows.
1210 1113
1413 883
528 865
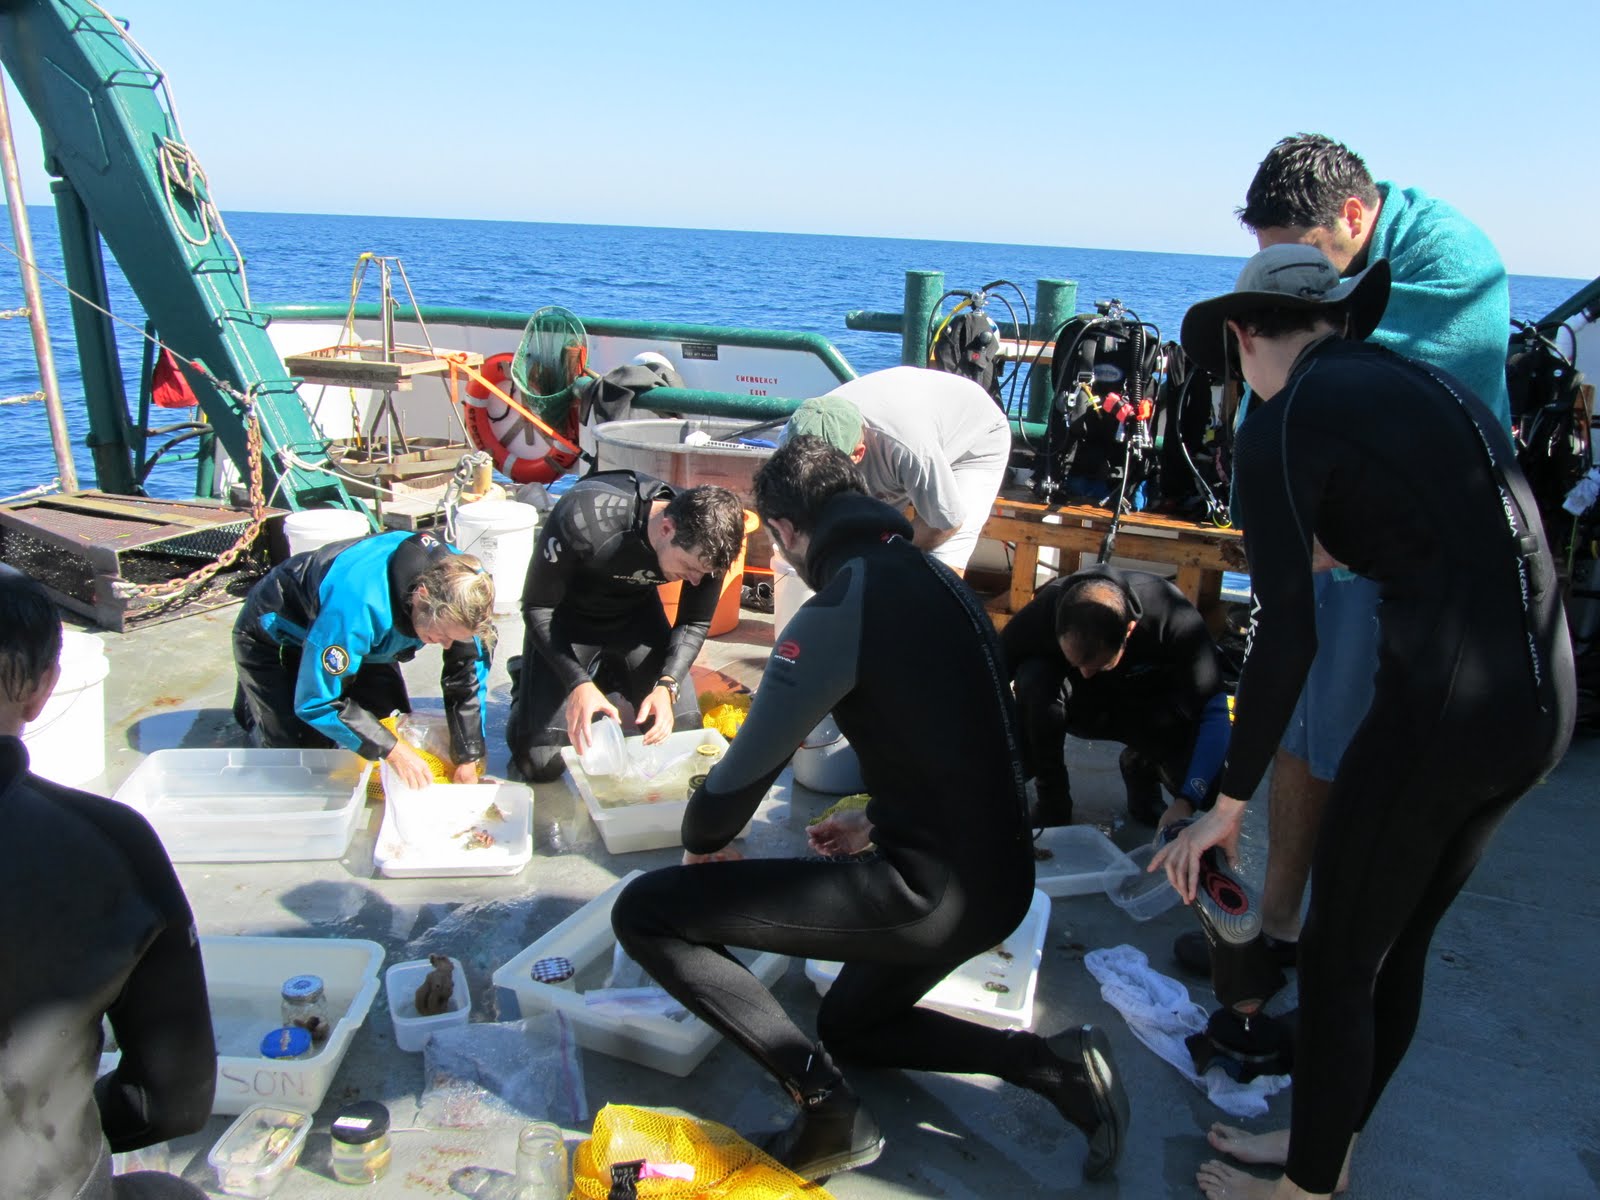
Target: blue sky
1047 122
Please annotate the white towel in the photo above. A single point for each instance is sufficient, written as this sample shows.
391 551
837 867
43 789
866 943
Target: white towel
1161 1015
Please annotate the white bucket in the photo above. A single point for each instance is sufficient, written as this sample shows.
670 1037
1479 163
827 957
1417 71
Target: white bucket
318 527
789 592
500 533
67 744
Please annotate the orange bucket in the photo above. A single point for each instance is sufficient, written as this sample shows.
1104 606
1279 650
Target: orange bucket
726 618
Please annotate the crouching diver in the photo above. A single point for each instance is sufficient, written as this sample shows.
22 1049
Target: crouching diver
319 642
938 868
1120 656
1393 468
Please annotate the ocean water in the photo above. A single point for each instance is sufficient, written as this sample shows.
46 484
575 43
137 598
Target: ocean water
767 280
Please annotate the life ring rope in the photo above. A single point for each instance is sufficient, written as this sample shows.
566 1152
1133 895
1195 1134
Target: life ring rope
485 383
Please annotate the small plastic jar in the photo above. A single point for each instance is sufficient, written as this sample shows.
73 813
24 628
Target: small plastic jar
289 1042
305 1003
361 1148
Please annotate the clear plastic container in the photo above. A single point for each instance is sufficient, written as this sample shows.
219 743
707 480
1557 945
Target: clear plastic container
411 1030
606 754
1140 893
259 1149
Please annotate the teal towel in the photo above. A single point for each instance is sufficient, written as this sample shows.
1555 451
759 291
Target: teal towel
1448 305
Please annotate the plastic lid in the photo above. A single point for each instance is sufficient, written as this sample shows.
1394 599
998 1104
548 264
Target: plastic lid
553 969
359 1123
302 987
289 1042
606 754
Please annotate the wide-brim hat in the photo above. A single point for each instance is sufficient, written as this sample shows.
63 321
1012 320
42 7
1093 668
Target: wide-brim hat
1286 276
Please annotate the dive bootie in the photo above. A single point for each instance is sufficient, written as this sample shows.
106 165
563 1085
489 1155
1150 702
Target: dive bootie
1142 784
833 1132
1076 1072
1244 1045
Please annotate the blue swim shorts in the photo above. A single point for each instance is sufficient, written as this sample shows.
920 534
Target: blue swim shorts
1340 686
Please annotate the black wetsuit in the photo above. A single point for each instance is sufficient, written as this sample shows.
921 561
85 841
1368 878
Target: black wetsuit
591 611
1407 479
349 605
1157 700
95 924
897 648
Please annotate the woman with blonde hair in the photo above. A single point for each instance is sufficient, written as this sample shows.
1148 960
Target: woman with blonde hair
319 641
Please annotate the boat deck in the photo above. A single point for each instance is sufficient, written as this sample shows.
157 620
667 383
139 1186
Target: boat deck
1496 1099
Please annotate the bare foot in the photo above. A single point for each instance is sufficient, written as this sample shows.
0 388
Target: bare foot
1264 1149
1219 1181
1270 1149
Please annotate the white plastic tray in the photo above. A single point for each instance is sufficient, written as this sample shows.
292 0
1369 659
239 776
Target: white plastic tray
244 978
653 817
401 981
250 805
511 852
673 1046
1083 861
1012 965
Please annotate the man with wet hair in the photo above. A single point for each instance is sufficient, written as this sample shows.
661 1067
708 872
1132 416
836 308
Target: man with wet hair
592 616
937 868
1112 655
96 926
1449 307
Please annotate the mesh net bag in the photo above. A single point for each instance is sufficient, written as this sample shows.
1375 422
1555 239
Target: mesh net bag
723 1163
441 769
553 352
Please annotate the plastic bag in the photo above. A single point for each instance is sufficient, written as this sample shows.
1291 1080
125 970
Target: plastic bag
678 1158
507 1073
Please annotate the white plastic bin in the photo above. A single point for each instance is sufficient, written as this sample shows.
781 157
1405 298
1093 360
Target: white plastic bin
67 744
250 805
675 1046
313 528
401 981
244 981
995 988
500 533
1081 861
636 813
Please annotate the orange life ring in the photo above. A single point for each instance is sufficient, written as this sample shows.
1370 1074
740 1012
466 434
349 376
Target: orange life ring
530 457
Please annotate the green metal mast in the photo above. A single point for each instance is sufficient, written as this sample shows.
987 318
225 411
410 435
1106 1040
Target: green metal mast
125 173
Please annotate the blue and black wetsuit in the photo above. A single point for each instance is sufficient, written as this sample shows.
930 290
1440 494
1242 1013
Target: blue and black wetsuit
1406 478
902 654
591 611
95 924
1164 699
319 641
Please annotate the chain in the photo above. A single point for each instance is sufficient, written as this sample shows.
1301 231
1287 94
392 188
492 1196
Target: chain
12 313
258 512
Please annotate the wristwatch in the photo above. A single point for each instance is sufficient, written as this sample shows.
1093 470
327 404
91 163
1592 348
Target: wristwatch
671 684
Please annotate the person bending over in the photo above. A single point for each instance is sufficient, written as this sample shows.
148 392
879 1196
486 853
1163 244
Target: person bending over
95 925
935 442
1394 469
319 642
1448 307
1120 656
592 615
937 868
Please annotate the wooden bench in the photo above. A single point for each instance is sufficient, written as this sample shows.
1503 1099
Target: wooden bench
1201 552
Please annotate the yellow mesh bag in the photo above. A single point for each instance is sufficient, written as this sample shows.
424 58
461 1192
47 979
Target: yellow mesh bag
725 1165
441 770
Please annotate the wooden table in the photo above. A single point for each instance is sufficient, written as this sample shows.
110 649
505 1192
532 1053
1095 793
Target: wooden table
1201 552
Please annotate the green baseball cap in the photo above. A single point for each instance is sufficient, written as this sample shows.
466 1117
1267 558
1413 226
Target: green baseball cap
834 419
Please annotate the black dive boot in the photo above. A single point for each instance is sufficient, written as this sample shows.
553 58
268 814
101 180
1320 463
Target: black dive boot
833 1131
1076 1072
1050 804
1142 783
